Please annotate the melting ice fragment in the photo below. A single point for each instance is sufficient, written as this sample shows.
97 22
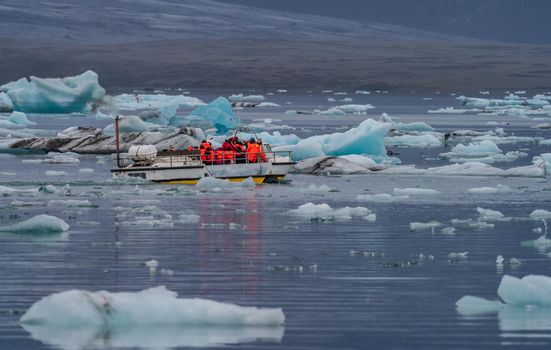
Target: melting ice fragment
40 224
151 307
324 212
217 114
55 95
471 305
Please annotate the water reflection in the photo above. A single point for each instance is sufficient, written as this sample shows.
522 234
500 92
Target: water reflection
515 319
158 338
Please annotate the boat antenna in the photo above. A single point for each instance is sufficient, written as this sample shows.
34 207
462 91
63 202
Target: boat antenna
117 141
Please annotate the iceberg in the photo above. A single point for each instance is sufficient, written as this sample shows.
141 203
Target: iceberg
151 307
546 159
413 127
490 215
540 214
217 185
325 213
40 224
415 191
6 106
380 198
217 114
424 226
367 138
132 102
346 109
16 120
337 166
242 98
80 93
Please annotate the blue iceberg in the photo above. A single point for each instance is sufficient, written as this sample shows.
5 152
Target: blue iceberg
217 114
55 95
367 138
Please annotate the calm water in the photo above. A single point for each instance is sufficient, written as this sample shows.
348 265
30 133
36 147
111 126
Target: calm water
332 297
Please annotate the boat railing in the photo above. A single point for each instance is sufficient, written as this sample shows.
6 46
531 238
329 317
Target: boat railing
208 159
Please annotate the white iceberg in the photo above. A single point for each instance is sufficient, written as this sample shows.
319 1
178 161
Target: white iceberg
151 307
381 198
40 224
55 95
424 226
540 214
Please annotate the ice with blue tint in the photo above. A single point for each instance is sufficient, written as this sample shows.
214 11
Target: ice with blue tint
367 138
40 224
55 95
546 157
532 291
129 123
5 103
16 120
217 114
476 149
157 101
154 306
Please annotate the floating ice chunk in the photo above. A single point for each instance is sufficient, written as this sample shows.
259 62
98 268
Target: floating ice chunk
325 212
8 191
370 217
499 260
540 214
455 256
85 170
40 224
158 101
217 185
250 98
268 124
381 198
55 95
490 190
448 231
451 110
470 223
268 104
152 263
335 166
415 191
471 305
474 150
63 158
490 215
424 226
72 203
347 109
545 158
531 290
153 307
166 272
55 173
413 127
313 189
515 262
422 141
362 92
471 169
367 138
217 114
16 120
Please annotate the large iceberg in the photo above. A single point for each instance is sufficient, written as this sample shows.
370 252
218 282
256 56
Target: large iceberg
151 307
367 138
55 95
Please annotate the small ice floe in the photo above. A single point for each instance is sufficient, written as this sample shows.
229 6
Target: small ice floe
268 104
312 189
473 224
415 192
454 257
152 264
188 218
381 198
166 272
40 224
6 191
515 262
529 292
346 109
323 212
499 260
55 173
449 231
424 226
491 215
72 203
419 141
218 185
490 190
85 170
451 110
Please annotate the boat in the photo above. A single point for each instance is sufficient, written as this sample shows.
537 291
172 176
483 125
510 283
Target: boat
188 166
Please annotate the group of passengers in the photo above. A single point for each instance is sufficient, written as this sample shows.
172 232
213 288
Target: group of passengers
233 150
